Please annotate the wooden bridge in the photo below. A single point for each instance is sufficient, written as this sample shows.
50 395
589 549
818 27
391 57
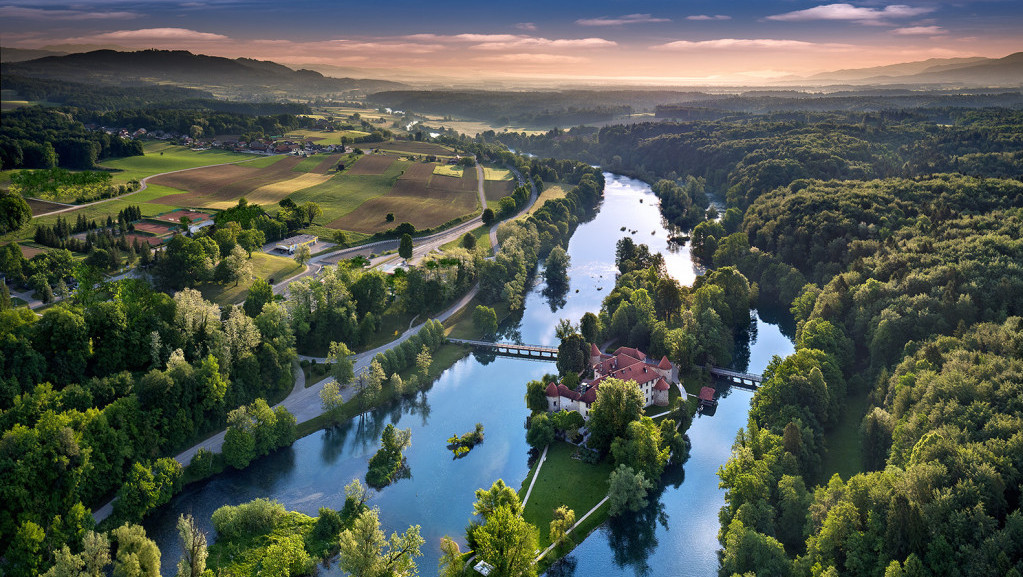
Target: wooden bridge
745 380
535 352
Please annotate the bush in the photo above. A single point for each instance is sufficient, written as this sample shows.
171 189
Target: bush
257 517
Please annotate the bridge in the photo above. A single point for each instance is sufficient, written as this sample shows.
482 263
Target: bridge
746 380
535 352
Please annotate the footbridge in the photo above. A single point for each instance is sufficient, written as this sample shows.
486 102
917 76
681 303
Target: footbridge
746 380
536 352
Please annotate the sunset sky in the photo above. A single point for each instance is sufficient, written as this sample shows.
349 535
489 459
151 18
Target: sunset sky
618 40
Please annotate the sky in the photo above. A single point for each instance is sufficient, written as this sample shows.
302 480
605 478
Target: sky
602 40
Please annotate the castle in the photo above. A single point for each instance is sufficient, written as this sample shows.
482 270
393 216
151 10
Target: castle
627 364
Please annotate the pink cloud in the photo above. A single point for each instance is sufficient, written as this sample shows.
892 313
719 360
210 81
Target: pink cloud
742 43
621 20
920 31
707 17
848 12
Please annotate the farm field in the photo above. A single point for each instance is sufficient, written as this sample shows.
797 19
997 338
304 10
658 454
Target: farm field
323 137
550 192
345 192
413 147
162 157
420 197
372 164
220 187
449 170
42 206
500 182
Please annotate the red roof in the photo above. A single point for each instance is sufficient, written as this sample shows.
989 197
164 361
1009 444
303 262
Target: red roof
707 394
634 353
568 393
552 390
665 364
594 351
661 385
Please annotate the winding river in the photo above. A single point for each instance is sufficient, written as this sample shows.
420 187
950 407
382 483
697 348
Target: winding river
676 535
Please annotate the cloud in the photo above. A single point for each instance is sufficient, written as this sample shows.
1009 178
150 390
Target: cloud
621 20
706 17
920 31
740 43
527 26
154 34
848 12
511 41
531 58
40 14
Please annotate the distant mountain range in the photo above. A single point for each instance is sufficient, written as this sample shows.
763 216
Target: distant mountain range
974 72
236 78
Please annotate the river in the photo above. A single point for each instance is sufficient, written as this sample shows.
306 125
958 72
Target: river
677 535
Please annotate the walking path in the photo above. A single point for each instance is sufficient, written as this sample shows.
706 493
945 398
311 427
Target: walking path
536 474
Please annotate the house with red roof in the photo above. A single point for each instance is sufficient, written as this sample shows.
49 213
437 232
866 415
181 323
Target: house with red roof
654 379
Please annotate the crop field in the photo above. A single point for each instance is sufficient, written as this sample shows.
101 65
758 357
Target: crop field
30 251
324 137
307 163
326 164
372 164
449 170
271 193
43 207
221 186
414 147
162 157
498 189
343 193
420 197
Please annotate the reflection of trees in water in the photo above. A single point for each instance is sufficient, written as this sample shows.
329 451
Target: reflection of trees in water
334 441
556 297
420 405
633 538
564 567
270 469
484 356
779 316
744 341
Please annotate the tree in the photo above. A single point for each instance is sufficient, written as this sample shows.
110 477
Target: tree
365 552
555 270
541 431
137 555
239 441
340 238
508 542
536 396
405 247
627 490
331 400
251 239
260 293
618 403
95 553
302 255
468 241
389 217
573 354
424 360
450 563
375 377
589 327
488 216
24 554
641 448
484 319
193 544
14 212
563 520
498 495
341 368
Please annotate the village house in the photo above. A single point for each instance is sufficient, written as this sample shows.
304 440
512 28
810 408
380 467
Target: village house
628 364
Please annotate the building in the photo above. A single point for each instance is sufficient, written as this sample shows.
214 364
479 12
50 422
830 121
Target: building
196 220
628 364
292 243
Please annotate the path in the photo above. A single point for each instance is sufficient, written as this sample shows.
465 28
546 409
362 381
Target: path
529 491
142 186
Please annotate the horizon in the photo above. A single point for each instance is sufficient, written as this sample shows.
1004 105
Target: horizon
604 43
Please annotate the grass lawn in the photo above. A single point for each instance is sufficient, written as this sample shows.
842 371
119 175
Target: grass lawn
550 192
308 163
497 173
563 481
459 325
344 193
314 373
264 266
843 442
482 234
163 157
449 170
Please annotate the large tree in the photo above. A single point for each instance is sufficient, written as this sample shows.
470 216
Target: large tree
508 542
627 490
618 403
365 552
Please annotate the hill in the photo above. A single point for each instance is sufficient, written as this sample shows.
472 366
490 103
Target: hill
901 69
222 76
972 72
